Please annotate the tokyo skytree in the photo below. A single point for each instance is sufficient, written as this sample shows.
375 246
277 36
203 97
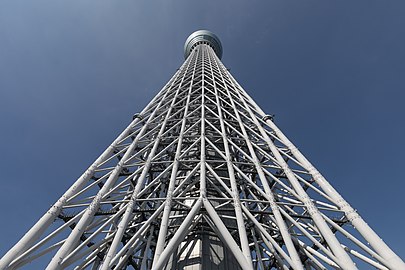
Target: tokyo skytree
201 178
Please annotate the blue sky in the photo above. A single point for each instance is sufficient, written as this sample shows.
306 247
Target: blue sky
72 74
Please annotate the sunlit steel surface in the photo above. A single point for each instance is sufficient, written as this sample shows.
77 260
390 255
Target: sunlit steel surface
202 178
200 37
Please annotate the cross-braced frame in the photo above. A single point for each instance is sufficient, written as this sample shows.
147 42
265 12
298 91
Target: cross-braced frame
202 177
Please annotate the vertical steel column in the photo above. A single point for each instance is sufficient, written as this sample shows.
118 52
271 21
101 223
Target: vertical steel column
169 197
129 208
199 180
344 259
394 261
46 220
235 193
297 264
74 236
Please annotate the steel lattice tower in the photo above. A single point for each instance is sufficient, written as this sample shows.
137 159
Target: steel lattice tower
202 178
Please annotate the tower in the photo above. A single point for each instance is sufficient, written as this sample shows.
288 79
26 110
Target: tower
201 178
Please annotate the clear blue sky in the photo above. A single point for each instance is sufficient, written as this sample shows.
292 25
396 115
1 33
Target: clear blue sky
72 74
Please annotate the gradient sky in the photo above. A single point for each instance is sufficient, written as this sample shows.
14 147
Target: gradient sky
72 74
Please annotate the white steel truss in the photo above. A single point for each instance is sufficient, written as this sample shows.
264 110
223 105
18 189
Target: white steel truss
202 178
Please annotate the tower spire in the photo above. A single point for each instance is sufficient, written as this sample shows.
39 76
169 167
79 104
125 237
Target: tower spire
201 178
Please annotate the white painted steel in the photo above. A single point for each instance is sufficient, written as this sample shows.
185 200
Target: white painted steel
202 179
74 237
43 223
169 197
344 260
296 261
393 260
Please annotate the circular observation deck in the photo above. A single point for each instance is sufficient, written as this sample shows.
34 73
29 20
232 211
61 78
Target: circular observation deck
202 37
